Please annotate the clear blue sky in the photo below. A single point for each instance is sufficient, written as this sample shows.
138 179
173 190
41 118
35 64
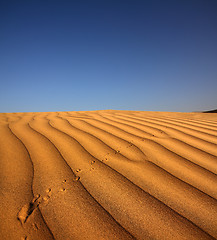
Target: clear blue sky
154 55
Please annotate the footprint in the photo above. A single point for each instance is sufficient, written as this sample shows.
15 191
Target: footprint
28 209
23 238
46 198
77 178
48 190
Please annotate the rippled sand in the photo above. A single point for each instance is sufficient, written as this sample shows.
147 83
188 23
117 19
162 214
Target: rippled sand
108 175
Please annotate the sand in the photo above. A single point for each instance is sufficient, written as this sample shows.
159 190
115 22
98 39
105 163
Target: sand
108 175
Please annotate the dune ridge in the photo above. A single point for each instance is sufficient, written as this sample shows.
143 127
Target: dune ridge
108 175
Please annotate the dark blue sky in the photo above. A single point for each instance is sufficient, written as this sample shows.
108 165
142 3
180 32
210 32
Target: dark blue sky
88 55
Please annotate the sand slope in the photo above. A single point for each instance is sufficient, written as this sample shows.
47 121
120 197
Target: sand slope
108 175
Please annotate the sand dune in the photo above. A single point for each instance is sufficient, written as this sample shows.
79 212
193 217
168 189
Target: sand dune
108 175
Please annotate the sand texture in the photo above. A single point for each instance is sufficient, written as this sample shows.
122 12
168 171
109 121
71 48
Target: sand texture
108 175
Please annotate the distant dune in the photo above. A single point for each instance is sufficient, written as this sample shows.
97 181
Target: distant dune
211 111
108 175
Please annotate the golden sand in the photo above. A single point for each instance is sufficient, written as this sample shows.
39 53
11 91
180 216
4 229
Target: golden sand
108 175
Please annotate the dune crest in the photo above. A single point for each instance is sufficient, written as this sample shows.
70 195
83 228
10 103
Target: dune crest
108 175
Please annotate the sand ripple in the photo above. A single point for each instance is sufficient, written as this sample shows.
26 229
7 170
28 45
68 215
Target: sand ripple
108 175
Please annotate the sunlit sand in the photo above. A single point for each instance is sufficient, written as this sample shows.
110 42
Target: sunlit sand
108 175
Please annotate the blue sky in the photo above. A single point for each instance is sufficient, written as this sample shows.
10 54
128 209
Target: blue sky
90 55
